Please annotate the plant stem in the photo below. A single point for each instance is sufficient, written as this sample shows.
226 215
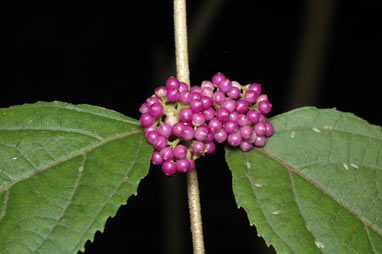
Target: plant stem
183 74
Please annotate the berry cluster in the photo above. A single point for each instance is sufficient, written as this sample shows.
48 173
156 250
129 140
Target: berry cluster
182 123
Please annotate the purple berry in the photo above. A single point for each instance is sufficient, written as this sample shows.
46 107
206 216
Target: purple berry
217 78
185 115
210 147
151 100
250 96
160 143
242 120
192 165
146 119
198 147
253 138
165 130
255 87
241 106
215 125
260 141
182 87
234 116
209 114
260 129
201 133
207 91
245 146
156 159
144 108
234 93
188 133
196 89
210 137
151 136
225 85
149 129
220 136
155 109
262 119
198 119
229 104
195 96
230 127
269 130
180 151
172 94
172 83
264 107
169 168
178 128
234 139
206 102
218 97
222 114
185 97
196 105
167 153
262 97
253 116
246 132
183 165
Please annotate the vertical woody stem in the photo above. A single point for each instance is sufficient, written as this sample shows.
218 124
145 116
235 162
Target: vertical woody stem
183 74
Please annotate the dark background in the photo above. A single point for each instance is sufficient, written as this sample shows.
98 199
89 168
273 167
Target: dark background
319 52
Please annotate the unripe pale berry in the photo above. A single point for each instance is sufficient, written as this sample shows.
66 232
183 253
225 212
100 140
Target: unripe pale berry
207 91
151 100
168 167
144 108
160 91
262 97
171 120
195 89
207 83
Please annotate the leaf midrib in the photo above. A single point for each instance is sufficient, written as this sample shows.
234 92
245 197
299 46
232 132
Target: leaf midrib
297 171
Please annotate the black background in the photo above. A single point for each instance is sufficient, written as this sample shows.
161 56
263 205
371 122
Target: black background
115 57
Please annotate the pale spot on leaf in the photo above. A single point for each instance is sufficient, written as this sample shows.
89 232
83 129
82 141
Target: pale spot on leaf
258 185
315 130
14 158
248 164
354 165
328 127
319 244
346 166
292 134
276 212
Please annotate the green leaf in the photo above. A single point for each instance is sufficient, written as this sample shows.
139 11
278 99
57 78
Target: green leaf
316 187
64 169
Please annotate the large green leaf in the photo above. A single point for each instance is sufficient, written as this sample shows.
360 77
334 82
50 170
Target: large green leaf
64 169
316 187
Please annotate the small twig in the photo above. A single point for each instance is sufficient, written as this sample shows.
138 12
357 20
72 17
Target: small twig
183 74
